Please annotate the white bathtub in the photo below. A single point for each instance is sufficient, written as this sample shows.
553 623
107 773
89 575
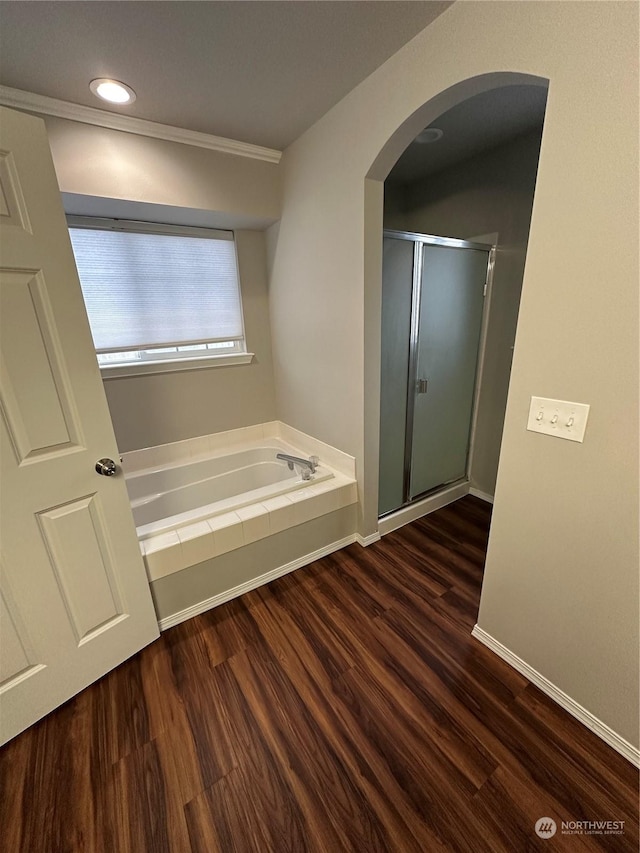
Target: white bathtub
196 501
169 497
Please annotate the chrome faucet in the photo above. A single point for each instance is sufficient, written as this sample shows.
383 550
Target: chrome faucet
308 465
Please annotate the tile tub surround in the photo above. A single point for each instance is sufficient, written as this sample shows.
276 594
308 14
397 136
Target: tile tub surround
200 587
172 496
194 543
220 443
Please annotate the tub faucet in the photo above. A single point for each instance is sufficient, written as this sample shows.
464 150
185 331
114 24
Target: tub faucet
308 465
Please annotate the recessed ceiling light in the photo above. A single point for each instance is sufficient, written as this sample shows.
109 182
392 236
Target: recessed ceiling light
112 91
429 134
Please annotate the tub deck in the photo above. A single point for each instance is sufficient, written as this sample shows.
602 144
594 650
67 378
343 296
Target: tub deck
181 519
168 498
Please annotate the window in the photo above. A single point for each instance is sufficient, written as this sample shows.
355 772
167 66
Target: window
158 295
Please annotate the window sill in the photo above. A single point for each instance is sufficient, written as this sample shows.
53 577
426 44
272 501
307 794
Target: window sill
177 366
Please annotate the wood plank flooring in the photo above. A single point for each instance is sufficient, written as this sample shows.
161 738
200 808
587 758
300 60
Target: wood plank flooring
344 707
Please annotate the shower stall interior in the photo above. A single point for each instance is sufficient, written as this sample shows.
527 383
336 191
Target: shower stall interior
433 295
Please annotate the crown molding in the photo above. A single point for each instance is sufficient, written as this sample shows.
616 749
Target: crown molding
42 105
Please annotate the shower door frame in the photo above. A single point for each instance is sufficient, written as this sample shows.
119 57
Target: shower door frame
420 240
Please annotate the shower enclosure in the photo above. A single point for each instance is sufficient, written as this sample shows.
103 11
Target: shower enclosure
433 291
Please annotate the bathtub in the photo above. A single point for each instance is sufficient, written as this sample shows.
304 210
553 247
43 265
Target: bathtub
169 497
197 500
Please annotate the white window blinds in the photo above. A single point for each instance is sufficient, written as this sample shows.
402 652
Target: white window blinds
151 286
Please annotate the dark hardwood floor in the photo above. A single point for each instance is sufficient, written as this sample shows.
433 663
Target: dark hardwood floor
344 707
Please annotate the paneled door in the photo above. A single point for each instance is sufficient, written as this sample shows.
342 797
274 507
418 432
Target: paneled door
75 601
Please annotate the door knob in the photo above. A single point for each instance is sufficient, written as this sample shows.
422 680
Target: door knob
107 467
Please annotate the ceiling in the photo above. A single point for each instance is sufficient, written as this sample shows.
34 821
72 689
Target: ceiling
256 72
477 124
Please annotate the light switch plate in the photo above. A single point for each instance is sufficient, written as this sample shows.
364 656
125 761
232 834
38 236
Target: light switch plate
559 418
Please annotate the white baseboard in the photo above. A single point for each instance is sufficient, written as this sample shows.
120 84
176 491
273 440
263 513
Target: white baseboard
420 508
367 540
247 586
482 495
614 740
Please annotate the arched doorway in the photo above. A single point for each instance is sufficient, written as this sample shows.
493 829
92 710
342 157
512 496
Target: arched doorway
483 90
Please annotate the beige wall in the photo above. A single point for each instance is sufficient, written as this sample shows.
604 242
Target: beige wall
96 161
190 186
561 584
490 193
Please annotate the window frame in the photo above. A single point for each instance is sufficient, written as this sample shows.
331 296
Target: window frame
160 362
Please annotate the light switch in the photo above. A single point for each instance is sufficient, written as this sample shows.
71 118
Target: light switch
559 418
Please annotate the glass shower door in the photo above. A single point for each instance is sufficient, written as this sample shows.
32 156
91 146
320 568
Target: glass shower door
446 338
397 289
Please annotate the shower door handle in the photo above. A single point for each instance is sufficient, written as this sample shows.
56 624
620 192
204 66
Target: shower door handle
421 386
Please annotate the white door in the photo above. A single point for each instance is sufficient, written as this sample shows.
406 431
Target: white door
75 599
